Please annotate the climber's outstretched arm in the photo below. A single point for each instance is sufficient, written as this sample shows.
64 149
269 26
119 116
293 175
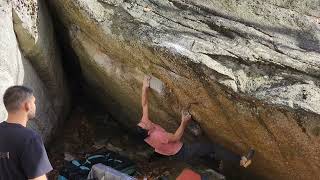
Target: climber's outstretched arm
144 98
179 132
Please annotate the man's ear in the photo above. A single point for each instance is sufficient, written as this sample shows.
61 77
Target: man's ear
26 106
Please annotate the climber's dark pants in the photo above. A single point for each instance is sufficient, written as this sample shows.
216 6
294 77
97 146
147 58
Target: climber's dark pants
197 150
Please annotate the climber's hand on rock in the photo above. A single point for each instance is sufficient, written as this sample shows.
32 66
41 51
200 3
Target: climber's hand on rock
146 82
186 118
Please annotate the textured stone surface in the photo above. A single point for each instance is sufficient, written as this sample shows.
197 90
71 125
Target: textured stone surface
16 69
248 70
35 34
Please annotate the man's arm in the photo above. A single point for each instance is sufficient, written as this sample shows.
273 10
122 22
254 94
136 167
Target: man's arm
144 98
179 132
34 159
43 177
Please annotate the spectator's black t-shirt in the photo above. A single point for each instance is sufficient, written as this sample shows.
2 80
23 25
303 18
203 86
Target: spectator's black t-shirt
22 153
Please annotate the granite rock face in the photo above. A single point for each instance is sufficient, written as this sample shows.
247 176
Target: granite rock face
248 70
35 33
29 56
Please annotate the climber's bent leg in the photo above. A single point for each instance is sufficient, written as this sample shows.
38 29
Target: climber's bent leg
196 150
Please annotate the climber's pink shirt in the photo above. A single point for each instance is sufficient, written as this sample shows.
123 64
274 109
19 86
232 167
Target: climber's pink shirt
158 139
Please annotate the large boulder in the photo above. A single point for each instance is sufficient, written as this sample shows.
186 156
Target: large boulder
248 70
16 68
35 33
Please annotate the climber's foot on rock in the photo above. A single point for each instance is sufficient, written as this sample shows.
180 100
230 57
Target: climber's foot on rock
247 160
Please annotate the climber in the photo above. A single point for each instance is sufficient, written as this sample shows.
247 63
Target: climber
22 153
169 144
